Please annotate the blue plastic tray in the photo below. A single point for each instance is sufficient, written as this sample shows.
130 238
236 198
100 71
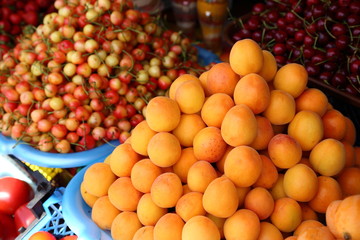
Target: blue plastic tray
77 214
31 155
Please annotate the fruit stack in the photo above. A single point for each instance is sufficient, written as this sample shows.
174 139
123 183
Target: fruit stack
244 151
321 35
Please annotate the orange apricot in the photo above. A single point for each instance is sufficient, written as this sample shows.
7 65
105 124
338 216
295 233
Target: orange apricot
269 68
286 215
221 79
281 109
243 224
312 99
188 127
284 151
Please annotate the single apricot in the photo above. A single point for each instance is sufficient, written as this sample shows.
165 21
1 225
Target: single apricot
260 201
143 175
281 109
188 127
253 91
243 166
125 225
166 190
350 133
178 81
164 149
190 97
144 233
169 226
277 191
199 176
103 212
243 224
92 175
348 180
268 231
88 198
200 227
306 224
328 157
286 215
334 124
307 212
223 206
304 190
123 195
269 69
182 166
307 128
246 57
221 79
209 145
328 190
284 151
215 108
162 114
292 78
190 205
269 174
239 126
312 99
148 212
122 160
219 222
140 137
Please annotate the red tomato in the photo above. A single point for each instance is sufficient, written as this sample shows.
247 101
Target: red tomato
23 217
13 193
7 227
42 235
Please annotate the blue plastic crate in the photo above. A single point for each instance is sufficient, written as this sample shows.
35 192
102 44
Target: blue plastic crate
52 220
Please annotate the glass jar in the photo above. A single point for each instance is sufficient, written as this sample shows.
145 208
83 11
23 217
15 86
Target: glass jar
212 15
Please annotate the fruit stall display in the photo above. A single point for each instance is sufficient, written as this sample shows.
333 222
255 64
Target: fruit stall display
324 36
244 151
84 76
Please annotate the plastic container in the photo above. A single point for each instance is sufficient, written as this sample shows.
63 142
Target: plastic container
31 155
52 220
77 213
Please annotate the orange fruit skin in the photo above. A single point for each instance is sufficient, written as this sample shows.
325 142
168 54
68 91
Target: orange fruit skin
241 52
292 78
243 224
221 79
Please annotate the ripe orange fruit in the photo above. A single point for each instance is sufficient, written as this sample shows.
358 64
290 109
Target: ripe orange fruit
225 206
334 124
292 78
148 212
123 195
140 137
243 166
277 191
190 96
260 201
269 174
180 80
328 157
87 197
328 190
190 205
122 160
239 126
144 233
199 176
221 79
125 226
200 227
188 127
312 99
304 190
350 134
243 224
162 114
215 108
269 232
209 145
270 67
286 215
166 190
104 212
169 226
143 175
164 149
182 166
264 133
284 150
281 109
348 180
91 179
241 52
307 128
253 91
307 224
